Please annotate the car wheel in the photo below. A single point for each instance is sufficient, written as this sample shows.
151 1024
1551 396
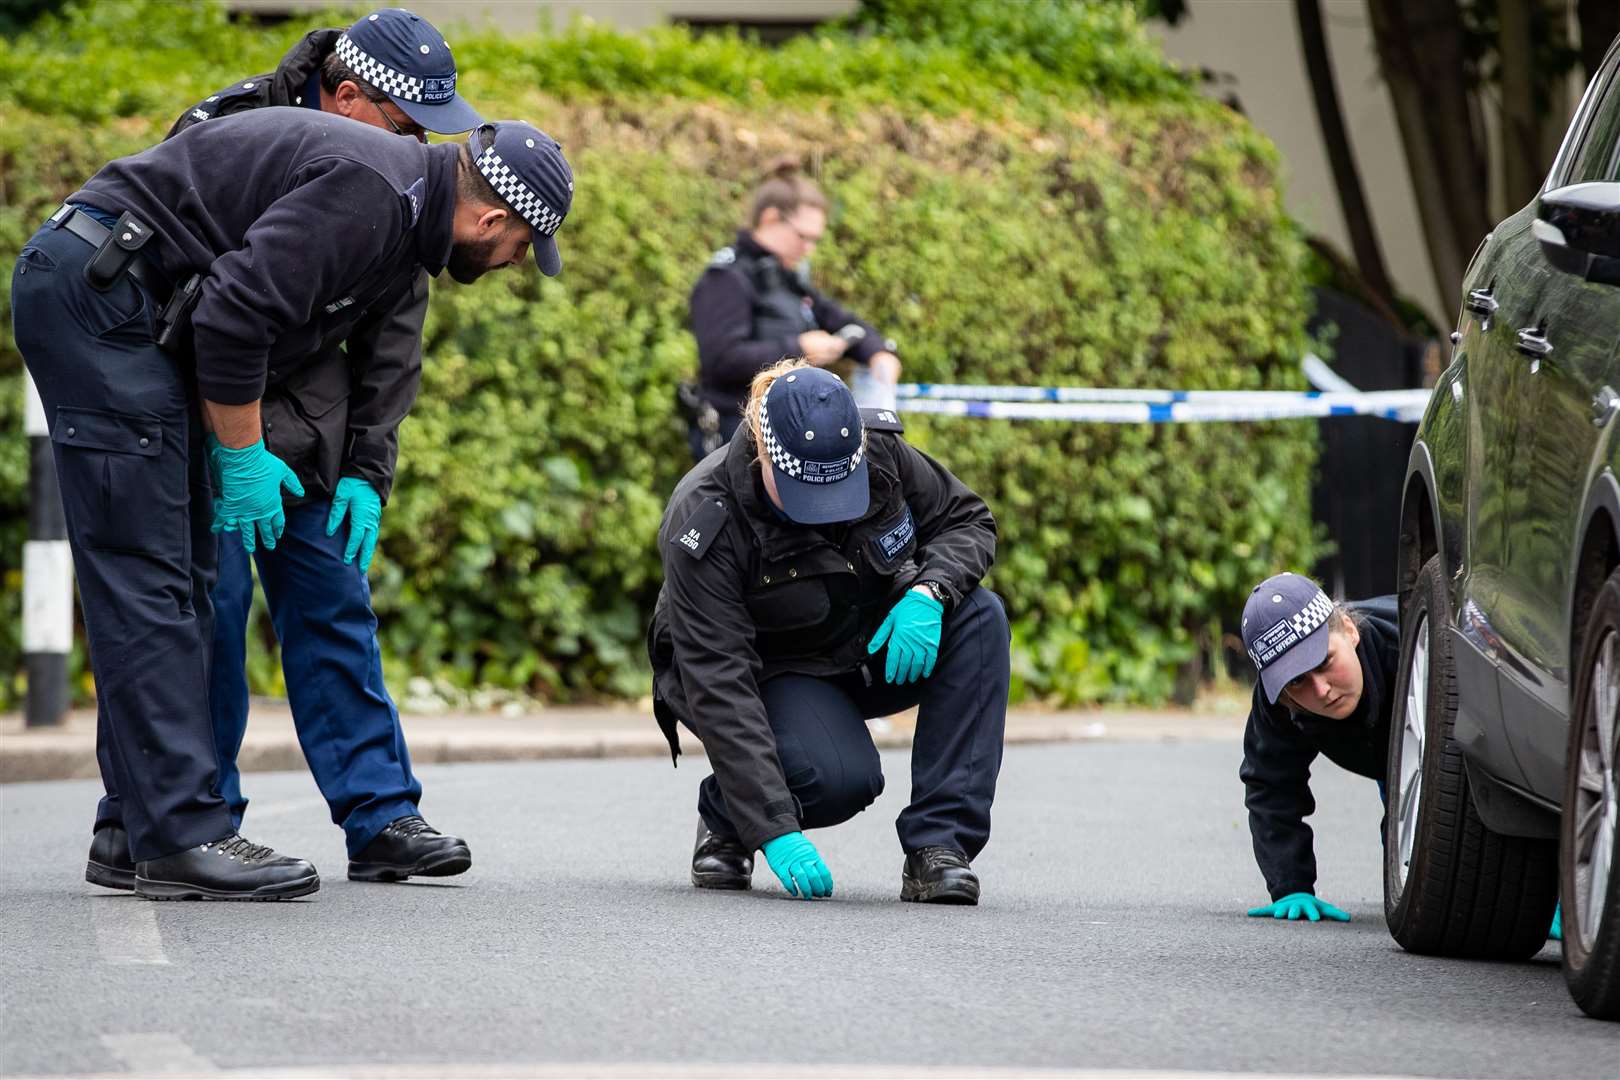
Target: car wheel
1452 887
1590 862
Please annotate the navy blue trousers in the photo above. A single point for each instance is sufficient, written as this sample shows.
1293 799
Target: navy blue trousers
127 438
832 766
346 722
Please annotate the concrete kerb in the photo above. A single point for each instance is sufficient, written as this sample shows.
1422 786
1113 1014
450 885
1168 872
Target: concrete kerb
68 752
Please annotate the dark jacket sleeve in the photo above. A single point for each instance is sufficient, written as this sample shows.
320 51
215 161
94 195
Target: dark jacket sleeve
722 313
832 317
237 97
713 638
277 278
956 534
385 361
1276 776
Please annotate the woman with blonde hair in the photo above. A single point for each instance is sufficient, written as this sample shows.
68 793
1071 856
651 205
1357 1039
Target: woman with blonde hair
819 572
754 305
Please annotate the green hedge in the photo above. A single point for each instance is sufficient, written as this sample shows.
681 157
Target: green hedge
1074 216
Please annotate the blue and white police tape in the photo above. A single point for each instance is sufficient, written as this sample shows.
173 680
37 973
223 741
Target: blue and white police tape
1111 405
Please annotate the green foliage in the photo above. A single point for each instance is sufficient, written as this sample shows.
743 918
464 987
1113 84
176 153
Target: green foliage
1122 233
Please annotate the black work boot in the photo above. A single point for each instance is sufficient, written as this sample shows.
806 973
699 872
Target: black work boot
228 869
939 875
110 865
410 847
718 863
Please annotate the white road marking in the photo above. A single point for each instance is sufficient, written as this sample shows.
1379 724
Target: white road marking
152 1052
127 931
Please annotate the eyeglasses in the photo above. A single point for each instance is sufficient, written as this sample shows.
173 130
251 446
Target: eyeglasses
410 131
807 241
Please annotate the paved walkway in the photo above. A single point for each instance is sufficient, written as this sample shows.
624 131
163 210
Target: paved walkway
68 752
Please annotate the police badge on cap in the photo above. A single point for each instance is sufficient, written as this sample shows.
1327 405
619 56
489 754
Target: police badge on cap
1285 629
811 429
526 168
406 57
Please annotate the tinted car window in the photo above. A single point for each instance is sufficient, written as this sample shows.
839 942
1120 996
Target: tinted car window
1595 157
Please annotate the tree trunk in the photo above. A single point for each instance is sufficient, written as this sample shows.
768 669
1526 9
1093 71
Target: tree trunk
1341 158
1422 57
1520 124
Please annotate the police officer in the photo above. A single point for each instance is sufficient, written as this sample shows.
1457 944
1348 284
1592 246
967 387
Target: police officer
337 427
1327 681
754 306
261 237
818 572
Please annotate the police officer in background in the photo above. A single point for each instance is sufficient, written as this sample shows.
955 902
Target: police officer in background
817 572
337 427
754 306
259 238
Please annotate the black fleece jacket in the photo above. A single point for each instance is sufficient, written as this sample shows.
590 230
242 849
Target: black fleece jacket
1279 745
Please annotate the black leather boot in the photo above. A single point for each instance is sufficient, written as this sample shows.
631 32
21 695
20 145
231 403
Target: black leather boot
410 847
939 875
228 869
110 865
718 863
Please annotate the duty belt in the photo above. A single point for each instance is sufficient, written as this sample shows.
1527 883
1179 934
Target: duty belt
94 233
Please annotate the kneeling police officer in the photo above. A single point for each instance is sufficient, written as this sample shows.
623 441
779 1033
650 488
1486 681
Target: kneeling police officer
818 539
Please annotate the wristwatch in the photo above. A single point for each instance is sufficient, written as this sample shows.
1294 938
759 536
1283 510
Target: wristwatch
936 590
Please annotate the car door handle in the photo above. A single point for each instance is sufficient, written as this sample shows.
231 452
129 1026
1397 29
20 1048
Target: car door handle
1533 342
1482 303
1604 406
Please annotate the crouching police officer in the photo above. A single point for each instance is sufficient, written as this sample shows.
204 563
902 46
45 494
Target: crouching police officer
754 305
337 427
261 235
1327 680
818 540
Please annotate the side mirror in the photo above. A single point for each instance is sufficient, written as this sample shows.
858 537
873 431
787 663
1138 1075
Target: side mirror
1579 230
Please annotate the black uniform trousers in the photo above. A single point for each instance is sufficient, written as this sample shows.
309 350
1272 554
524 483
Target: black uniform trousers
128 443
832 765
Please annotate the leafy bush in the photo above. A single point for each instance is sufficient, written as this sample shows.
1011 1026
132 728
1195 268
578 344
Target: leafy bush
1070 216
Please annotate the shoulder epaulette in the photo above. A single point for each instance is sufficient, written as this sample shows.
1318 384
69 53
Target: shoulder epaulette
881 420
700 529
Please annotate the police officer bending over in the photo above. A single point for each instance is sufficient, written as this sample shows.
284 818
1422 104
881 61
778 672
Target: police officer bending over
818 572
1327 683
754 306
279 226
337 426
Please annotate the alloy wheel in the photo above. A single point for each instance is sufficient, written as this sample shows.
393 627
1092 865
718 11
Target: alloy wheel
1597 803
1409 788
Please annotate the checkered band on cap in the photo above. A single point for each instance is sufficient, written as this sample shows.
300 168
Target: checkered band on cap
1286 633
393 82
510 186
802 469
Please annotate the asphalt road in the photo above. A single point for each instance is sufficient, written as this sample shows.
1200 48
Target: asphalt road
1111 937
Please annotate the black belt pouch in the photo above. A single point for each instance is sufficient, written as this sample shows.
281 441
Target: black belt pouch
121 247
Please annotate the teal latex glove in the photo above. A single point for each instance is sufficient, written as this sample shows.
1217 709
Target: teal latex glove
356 498
1300 905
798 866
248 498
1556 931
912 631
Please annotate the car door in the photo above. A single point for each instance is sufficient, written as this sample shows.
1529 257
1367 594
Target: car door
1569 354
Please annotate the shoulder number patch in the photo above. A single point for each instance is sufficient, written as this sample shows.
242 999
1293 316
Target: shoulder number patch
701 528
881 420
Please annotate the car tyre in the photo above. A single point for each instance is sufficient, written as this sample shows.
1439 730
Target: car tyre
1452 887
1588 835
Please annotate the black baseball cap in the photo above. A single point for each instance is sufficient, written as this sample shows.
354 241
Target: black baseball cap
405 56
1285 629
814 441
526 167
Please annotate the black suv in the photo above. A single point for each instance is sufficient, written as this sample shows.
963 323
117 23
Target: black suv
1504 789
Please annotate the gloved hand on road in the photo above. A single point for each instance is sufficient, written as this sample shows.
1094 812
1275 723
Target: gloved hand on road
356 498
798 866
249 495
1556 931
912 631
1300 905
